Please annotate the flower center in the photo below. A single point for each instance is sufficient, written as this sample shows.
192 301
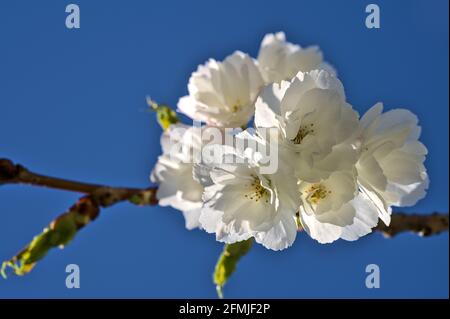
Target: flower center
316 193
303 131
257 191
236 106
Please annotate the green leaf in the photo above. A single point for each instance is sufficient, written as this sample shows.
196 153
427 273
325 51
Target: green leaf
227 262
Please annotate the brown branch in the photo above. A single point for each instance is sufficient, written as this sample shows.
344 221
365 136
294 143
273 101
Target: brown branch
58 233
63 229
423 225
11 173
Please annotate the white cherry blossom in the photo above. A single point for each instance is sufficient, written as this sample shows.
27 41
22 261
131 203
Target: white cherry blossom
391 167
314 120
174 173
241 203
223 93
334 208
335 175
280 60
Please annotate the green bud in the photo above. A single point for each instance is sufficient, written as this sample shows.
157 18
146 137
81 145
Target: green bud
227 262
165 115
58 234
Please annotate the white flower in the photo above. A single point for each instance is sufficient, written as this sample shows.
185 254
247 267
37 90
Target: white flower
174 173
280 60
390 167
333 208
241 203
314 120
223 93
333 175
317 129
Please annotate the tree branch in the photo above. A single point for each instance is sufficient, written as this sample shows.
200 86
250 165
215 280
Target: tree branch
423 225
11 173
64 228
58 233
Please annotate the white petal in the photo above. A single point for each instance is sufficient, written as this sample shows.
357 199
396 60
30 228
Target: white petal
384 211
210 220
410 194
267 108
280 236
342 217
324 233
366 218
401 170
371 172
371 115
192 218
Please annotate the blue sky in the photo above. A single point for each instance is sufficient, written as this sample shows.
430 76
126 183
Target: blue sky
72 104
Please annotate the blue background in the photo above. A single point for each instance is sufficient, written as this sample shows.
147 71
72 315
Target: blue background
72 104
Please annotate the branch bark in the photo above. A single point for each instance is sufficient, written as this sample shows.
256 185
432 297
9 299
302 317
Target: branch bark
423 225
104 196
10 173
63 229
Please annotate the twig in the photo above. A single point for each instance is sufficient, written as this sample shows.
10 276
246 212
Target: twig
423 225
62 230
11 173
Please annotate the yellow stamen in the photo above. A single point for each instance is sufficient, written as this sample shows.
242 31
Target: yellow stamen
303 131
316 193
257 191
236 106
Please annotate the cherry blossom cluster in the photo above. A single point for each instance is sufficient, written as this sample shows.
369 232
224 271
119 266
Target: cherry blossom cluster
336 173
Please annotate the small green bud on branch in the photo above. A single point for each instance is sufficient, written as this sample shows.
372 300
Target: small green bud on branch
164 113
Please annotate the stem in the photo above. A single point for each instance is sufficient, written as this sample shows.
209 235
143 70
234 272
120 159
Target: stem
423 225
11 173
